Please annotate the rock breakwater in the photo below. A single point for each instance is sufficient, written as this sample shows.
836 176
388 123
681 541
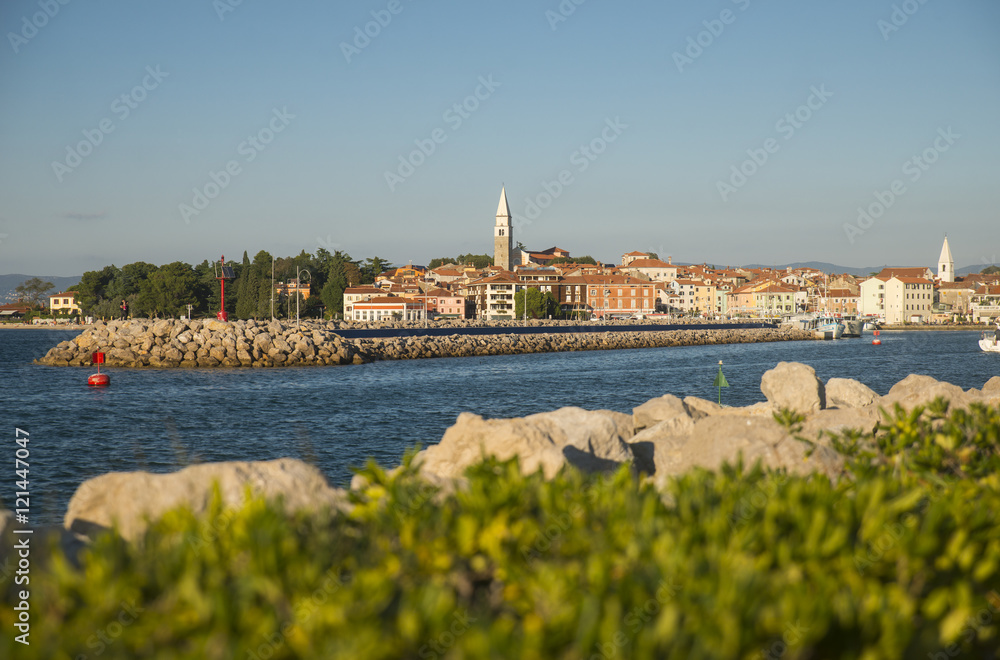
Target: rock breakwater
212 343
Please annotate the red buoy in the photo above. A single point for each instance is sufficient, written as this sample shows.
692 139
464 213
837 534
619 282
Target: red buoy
98 379
876 341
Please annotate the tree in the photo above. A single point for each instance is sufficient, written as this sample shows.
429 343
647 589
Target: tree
652 255
32 290
343 273
440 261
93 288
990 270
539 305
128 279
478 261
169 290
574 260
247 289
373 267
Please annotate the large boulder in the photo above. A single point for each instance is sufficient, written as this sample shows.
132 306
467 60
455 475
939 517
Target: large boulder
654 411
590 440
992 387
130 499
795 386
916 390
836 421
720 439
848 393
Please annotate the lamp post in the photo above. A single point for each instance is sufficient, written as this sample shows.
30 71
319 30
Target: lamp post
298 285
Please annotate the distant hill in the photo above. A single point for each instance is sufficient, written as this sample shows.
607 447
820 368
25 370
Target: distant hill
8 284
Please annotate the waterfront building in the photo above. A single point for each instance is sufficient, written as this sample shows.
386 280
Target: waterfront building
654 269
387 308
494 296
358 293
64 301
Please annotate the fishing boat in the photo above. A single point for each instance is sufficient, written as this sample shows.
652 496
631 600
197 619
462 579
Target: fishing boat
828 327
852 325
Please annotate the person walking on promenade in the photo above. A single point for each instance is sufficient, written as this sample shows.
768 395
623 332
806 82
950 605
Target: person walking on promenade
124 307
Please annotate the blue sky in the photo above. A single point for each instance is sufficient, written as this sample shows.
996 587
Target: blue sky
203 77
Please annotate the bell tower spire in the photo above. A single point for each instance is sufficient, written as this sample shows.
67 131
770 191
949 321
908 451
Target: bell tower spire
503 234
946 264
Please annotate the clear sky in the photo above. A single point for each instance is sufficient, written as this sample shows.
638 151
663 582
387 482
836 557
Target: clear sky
645 126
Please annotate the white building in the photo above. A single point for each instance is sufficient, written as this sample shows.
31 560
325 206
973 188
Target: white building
897 299
64 301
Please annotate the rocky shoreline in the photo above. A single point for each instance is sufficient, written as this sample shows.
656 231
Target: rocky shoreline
141 343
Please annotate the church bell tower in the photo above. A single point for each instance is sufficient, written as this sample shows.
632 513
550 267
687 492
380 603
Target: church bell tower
503 235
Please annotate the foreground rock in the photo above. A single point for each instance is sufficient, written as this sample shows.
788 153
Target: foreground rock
589 440
130 499
212 343
794 386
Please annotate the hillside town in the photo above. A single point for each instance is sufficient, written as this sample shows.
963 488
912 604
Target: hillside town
641 285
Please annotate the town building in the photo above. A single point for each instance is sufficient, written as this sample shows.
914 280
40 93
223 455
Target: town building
358 293
654 269
840 302
386 308
292 287
494 296
64 302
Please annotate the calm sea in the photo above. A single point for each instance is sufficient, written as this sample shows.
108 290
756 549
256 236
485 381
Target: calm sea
338 417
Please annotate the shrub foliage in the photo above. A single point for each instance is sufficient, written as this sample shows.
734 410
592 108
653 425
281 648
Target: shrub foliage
900 560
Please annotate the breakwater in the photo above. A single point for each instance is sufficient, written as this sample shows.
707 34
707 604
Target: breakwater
212 343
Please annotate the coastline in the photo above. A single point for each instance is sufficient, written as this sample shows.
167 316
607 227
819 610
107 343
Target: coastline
142 343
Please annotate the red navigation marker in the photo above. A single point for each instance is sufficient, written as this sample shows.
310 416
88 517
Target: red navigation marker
876 341
98 379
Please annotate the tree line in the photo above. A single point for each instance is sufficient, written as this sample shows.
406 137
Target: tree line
167 290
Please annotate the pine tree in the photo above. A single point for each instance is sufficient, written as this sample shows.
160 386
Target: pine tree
246 298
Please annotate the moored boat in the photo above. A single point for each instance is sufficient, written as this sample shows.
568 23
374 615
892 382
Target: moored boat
828 327
988 341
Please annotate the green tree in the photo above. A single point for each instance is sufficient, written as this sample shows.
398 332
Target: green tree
440 261
372 268
93 288
990 270
479 261
574 260
128 279
247 288
540 305
169 290
343 273
31 291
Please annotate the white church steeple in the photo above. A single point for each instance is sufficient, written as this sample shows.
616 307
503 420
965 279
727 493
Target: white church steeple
503 235
946 265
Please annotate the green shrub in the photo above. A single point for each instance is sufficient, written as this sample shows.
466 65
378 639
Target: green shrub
903 561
